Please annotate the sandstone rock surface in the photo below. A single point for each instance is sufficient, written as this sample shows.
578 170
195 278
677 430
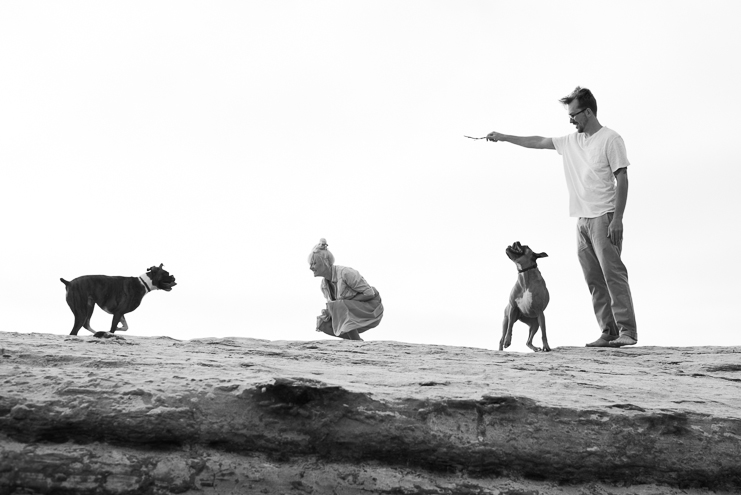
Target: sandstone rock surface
83 415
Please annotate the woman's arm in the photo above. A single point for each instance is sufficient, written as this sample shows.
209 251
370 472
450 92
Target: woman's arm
363 291
364 297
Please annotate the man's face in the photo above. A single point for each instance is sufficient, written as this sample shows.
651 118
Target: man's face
577 115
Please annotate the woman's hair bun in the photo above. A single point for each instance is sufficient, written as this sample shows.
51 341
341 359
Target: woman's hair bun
321 251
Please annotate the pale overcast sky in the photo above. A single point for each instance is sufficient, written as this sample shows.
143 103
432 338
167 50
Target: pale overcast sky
223 139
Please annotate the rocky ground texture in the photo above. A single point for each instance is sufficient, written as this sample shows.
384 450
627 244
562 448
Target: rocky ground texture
85 415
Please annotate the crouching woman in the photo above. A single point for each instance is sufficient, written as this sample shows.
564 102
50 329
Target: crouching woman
353 306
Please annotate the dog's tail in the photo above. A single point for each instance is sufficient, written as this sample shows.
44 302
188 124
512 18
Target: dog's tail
66 284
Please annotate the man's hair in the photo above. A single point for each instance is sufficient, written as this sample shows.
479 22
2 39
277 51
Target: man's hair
584 97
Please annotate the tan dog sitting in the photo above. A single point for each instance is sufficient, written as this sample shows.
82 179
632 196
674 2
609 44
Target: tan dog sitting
528 299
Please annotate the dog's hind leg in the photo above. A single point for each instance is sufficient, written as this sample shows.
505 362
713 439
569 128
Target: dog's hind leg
78 309
89 314
77 325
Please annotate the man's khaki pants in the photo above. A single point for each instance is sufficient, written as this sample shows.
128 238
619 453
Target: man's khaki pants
607 278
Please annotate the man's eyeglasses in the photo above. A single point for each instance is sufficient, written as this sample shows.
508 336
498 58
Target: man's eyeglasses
571 117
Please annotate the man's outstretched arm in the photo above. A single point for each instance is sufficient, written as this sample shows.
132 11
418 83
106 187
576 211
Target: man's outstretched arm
535 142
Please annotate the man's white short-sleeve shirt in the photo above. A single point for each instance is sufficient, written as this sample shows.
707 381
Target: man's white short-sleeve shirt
589 163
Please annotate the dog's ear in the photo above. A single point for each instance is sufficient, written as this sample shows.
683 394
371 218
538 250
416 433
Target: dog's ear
541 255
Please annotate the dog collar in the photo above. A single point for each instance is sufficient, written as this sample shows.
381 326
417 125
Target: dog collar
149 286
529 268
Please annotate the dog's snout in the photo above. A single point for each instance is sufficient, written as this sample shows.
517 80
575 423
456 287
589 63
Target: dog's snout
516 248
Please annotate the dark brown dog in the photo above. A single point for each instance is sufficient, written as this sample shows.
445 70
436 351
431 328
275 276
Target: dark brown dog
114 295
528 299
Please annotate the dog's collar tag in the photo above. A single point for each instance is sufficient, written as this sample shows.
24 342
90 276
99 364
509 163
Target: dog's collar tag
147 282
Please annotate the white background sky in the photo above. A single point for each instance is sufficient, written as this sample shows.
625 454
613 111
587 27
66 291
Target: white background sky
223 139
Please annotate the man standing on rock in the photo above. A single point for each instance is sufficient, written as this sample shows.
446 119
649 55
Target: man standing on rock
596 167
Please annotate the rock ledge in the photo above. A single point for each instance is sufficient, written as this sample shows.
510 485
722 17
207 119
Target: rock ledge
156 415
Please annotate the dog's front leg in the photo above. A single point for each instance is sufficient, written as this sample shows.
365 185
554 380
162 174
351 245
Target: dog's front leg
510 317
533 323
541 322
124 325
114 324
505 325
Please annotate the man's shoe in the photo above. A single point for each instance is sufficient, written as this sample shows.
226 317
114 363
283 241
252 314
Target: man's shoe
622 340
600 342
